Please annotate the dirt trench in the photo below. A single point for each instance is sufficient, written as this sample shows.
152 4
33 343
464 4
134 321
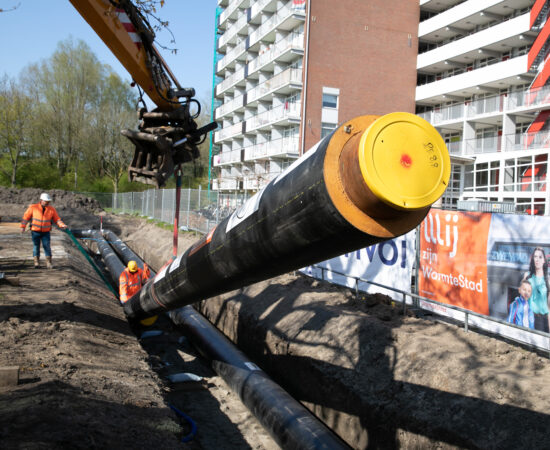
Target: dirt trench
376 376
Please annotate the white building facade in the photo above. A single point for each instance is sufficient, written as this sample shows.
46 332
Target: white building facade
482 82
260 47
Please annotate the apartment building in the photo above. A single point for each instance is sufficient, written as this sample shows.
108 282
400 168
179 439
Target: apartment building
482 82
288 72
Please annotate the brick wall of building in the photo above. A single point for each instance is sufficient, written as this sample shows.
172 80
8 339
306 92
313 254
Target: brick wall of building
368 50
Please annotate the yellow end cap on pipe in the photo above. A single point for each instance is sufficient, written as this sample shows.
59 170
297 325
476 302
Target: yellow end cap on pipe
404 161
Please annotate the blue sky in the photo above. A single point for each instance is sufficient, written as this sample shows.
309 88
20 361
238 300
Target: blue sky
31 33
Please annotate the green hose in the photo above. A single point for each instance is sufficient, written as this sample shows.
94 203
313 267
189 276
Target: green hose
90 260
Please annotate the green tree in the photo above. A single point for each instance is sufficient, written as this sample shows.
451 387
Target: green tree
16 112
107 152
67 86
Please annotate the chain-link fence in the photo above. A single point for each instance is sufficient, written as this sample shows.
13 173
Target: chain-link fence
200 210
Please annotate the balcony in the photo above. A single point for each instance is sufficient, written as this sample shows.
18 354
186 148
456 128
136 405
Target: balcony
230 11
229 132
466 84
521 101
293 43
496 144
284 82
232 32
225 184
228 107
470 11
286 18
286 78
230 56
466 49
230 81
227 158
282 115
279 148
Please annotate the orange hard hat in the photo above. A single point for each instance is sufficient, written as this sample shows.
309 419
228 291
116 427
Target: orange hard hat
132 266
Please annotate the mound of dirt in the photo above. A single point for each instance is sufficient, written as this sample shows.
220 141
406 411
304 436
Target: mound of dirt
63 200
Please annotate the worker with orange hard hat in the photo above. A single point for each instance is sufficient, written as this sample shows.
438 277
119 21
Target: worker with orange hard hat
131 280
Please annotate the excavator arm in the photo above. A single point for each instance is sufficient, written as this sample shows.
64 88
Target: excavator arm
168 135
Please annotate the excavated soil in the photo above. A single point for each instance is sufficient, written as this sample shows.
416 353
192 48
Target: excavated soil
379 378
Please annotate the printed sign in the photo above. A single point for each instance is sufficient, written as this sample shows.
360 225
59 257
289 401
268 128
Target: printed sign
388 263
453 259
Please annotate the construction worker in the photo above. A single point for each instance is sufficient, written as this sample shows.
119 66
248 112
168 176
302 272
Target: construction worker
131 280
41 215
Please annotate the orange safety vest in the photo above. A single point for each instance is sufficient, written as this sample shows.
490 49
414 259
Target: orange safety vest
130 283
41 220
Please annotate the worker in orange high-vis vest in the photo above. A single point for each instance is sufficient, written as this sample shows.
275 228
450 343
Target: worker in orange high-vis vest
41 215
131 280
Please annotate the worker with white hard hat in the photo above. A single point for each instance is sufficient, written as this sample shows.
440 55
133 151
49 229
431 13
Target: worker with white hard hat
41 215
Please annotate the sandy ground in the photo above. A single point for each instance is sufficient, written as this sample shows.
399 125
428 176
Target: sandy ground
379 378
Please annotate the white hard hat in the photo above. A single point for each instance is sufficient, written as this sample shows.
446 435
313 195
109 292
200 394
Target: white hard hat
46 197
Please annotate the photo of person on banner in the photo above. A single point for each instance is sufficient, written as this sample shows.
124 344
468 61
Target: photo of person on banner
520 311
537 276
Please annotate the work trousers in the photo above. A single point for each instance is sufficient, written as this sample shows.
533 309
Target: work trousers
38 236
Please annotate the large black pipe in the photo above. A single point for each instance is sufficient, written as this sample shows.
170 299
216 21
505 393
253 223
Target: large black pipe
373 179
122 250
111 260
290 424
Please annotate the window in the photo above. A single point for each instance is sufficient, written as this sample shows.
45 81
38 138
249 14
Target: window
327 128
330 101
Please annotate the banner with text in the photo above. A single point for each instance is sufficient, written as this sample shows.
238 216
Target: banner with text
477 261
388 263
453 258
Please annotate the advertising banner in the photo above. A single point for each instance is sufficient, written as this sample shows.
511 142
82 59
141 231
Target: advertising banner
388 263
517 245
477 261
453 259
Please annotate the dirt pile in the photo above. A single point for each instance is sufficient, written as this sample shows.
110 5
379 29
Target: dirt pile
63 200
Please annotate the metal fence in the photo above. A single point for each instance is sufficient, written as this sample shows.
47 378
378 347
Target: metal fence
200 210
533 339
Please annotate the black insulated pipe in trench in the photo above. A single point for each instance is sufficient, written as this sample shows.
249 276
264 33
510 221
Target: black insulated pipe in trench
373 179
290 424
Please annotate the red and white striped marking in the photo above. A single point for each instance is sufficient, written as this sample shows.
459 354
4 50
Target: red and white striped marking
129 27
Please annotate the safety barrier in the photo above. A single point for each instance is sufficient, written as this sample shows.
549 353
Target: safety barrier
200 210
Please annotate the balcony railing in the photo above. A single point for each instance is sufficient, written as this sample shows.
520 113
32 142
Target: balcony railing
284 78
232 31
230 81
230 157
228 132
292 41
229 106
272 116
286 147
281 79
511 102
229 10
505 143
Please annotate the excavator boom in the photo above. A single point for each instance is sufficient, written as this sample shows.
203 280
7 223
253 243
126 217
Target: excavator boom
168 135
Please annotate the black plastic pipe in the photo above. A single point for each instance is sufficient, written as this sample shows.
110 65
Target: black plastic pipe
373 179
125 253
290 424
111 260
